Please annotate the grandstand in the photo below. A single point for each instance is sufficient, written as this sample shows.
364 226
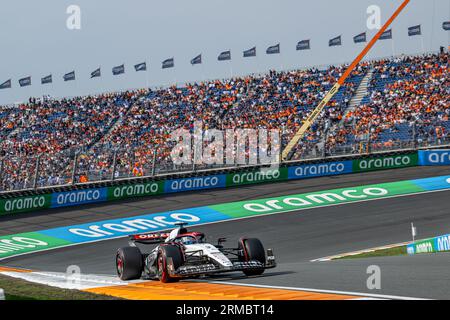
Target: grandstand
408 98
47 142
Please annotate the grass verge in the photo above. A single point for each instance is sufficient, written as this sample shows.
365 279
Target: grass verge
18 289
396 251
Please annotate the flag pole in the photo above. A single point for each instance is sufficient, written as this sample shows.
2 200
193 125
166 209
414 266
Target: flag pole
393 46
146 75
203 71
281 60
413 232
316 112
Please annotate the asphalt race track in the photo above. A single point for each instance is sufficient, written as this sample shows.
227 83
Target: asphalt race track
296 237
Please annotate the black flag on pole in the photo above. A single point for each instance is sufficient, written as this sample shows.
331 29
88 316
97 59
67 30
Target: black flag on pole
6 84
386 35
226 55
168 63
273 49
360 38
446 25
47 79
303 45
335 42
250 52
69 76
196 60
25 82
96 73
118 70
414 31
140 66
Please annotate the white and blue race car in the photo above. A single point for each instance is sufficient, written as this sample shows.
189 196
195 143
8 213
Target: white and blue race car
182 254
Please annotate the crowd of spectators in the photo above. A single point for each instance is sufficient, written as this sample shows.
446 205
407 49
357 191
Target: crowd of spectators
408 96
131 130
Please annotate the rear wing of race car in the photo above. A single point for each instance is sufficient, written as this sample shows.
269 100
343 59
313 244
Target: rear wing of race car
154 237
149 238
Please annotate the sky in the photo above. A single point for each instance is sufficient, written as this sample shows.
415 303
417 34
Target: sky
35 40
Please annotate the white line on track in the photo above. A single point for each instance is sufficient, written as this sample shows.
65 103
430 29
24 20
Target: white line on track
350 293
353 253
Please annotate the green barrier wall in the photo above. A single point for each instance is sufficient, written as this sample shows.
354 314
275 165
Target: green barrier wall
386 162
25 204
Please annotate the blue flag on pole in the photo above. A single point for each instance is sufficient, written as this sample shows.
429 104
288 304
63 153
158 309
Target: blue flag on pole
250 52
69 76
47 79
196 60
226 55
140 66
386 35
96 73
335 42
414 31
6 84
303 45
273 49
25 82
168 63
118 70
360 38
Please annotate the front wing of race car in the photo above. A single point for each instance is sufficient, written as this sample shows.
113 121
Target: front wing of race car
210 268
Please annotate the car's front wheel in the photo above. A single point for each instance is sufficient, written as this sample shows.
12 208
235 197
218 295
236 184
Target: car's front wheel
164 254
253 250
129 264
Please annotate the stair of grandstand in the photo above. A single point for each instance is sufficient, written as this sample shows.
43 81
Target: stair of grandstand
359 95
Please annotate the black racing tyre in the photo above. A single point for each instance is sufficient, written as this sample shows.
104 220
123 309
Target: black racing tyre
253 250
129 263
166 252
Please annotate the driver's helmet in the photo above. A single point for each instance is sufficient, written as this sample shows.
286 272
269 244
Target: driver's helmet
187 240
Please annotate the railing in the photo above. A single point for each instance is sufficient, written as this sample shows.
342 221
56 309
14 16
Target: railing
106 164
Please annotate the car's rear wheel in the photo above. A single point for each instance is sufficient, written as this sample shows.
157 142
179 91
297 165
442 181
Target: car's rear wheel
129 264
253 250
164 254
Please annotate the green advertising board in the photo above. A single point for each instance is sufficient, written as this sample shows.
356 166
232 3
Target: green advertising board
315 199
424 246
135 190
257 176
28 242
25 204
386 162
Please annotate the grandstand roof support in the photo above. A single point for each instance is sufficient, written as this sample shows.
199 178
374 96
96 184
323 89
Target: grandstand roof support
316 112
